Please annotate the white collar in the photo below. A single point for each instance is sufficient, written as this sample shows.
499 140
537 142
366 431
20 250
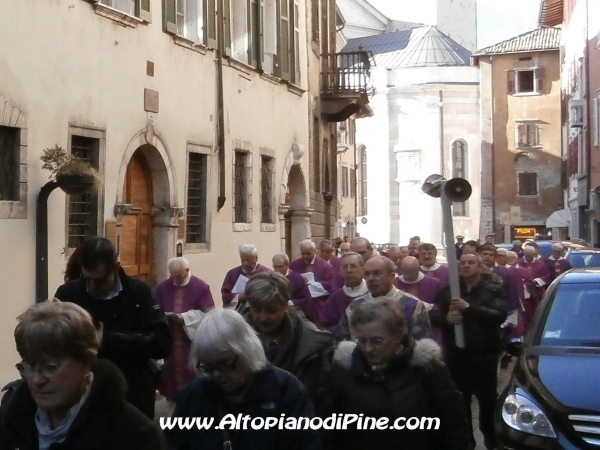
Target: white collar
186 281
288 273
419 278
254 270
433 268
552 258
358 291
313 261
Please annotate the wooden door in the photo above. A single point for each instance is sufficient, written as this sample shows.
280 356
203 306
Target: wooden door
136 228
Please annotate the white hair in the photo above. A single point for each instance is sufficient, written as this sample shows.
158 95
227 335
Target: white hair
511 254
308 243
224 330
248 249
502 251
180 262
283 256
558 245
529 247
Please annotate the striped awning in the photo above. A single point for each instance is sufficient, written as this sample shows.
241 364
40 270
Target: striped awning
551 13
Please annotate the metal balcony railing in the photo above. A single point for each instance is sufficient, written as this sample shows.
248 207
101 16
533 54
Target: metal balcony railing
346 72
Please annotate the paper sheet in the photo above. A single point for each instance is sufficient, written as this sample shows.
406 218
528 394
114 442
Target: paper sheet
317 290
309 276
240 285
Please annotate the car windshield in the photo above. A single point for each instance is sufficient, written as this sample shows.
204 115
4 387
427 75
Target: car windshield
580 259
574 316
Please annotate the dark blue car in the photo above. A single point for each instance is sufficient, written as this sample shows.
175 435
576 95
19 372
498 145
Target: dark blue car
552 400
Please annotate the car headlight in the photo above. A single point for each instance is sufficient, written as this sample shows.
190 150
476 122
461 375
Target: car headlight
523 415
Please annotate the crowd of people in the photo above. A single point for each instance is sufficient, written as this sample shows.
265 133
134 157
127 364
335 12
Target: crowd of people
343 329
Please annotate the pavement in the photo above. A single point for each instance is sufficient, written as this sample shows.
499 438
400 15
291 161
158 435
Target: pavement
165 409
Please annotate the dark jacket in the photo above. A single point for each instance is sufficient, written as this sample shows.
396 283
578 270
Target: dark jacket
273 393
417 384
481 320
304 351
135 331
105 420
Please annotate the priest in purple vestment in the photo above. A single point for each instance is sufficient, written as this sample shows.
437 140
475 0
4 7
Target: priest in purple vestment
184 298
319 275
299 293
540 276
363 247
430 266
556 263
354 287
232 291
326 253
413 281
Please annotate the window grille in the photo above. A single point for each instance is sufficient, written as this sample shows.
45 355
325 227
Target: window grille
267 181
9 163
241 180
196 220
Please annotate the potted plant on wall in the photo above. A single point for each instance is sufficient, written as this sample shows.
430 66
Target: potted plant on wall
73 175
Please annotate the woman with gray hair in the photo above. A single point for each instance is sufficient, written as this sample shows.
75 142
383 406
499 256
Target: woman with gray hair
68 399
237 381
291 342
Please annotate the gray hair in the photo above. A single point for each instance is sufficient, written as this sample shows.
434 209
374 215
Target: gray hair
283 256
248 249
502 251
265 287
308 243
512 254
180 262
224 330
477 256
361 260
558 245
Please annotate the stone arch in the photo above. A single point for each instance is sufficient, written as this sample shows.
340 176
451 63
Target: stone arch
292 163
165 212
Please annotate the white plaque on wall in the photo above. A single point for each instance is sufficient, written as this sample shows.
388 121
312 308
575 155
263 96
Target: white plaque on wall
409 166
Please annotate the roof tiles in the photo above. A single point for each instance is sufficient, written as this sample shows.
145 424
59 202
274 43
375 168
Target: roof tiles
532 41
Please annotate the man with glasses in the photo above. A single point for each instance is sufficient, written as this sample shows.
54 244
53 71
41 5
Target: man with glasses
352 269
380 273
481 309
134 328
184 298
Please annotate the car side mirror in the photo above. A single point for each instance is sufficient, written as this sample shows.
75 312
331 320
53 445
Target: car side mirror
514 348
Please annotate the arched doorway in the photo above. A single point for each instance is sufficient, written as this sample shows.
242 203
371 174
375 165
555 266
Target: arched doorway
136 223
296 217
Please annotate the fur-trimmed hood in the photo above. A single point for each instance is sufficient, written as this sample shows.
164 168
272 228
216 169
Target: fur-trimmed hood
424 352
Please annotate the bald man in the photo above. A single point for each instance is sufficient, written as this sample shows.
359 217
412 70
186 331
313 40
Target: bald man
363 247
326 253
379 273
413 281
344 248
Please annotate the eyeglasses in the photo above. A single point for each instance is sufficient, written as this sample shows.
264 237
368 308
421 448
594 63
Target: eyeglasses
46 369
374 342
221 367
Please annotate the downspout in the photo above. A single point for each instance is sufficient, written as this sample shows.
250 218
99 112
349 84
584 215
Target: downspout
356 183
442 159
41 242
493 151
220 106
588 137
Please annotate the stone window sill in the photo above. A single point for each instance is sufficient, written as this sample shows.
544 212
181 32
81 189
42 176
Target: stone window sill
191 45
241 227
197 248
118 16
268 227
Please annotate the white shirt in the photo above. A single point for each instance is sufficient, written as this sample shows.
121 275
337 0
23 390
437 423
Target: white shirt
436 266
419 278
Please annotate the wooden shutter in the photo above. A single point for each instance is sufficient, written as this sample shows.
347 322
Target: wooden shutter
170 16
255 33
210 23
145 11
595 127
521 135
227 26
539 75
284 40
296 58
510 81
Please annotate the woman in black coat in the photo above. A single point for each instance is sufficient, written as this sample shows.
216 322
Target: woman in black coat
386 375
68 400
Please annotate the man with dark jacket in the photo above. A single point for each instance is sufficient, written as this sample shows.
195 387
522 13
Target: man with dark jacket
481 310
134 329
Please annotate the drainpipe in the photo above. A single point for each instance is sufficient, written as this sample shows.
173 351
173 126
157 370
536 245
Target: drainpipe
41 242
588 137
441 110
220 106
493 151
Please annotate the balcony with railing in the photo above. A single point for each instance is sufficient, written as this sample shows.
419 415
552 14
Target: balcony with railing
345 85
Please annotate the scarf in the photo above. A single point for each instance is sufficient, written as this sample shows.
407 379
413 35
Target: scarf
48 436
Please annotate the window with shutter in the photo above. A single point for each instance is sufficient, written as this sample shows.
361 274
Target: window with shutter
527 135
296 57
595 123
227 25
145 11
527 184
314 18
254 35
210 28
284 40
196 215
510 81
540 75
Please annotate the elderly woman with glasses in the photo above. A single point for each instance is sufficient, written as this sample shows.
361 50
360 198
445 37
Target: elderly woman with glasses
240 392
386 375
291 343
68 399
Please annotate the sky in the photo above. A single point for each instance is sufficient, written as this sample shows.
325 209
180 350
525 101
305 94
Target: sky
497 20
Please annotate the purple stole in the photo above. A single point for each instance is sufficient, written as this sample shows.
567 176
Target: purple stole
557 266
442 274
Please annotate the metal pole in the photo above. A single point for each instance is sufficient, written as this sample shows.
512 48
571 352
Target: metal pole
459 335
41 242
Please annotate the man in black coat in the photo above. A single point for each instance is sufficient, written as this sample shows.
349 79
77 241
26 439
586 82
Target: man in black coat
135 330
481 310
